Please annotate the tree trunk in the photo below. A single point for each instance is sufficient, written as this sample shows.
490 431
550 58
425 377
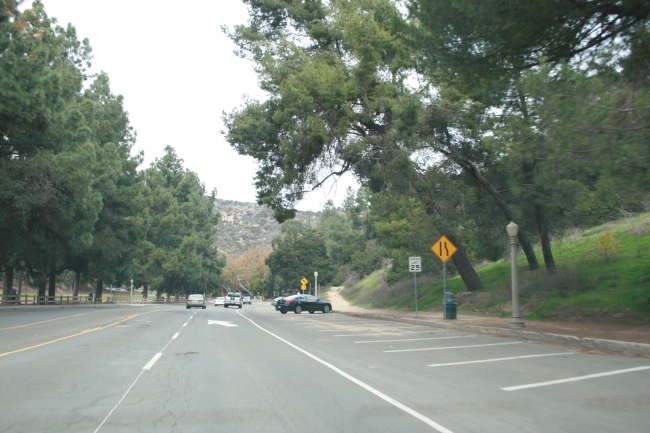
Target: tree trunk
465 267
77 283
51 287
461 260
8 283
158 294
99 289
145 290
474 171
545 239
510 216
42 285
20 281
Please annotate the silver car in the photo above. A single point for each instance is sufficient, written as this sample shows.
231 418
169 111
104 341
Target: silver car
195 301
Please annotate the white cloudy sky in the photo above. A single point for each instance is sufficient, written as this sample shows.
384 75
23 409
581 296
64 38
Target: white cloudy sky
177 72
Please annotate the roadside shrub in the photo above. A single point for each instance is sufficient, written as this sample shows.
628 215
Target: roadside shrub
342 275
384 294
350 286
568 280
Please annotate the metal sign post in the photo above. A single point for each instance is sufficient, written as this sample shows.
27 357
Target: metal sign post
444 288
415 266
444 249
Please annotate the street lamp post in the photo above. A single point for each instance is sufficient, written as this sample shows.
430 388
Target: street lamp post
316 284
513 231
132 291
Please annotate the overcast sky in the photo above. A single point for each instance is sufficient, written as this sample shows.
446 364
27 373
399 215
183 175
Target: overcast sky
177 72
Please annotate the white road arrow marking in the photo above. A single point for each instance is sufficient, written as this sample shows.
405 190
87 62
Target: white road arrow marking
219 322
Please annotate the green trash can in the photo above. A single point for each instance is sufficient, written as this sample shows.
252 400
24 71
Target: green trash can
449 306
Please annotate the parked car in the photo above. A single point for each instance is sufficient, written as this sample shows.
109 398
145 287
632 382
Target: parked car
219 301
247 300
234 299
195 301
300 303
275 301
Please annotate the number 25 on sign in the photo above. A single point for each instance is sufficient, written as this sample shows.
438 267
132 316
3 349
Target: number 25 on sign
444 249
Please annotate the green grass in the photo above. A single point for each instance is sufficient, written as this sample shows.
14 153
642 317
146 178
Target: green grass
587 278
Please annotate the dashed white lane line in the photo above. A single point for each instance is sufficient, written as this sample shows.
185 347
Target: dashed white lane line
145 368
356 381
500 359
150 364
185 324
386 332
450 347
118 403
415 339
574 379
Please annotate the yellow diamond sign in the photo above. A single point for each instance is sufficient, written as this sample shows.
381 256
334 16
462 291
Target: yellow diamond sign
444 249
304 281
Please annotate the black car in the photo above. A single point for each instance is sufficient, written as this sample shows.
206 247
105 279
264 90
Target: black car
300 303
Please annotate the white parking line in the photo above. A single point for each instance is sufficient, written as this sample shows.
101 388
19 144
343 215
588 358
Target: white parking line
415 339
366 328
356 381
376 333
328 323
500 359
175 336
574 379
450 347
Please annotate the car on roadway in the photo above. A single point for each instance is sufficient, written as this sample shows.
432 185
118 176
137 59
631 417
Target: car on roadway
275 301
300 303
195 301
247 300
234 299
219 301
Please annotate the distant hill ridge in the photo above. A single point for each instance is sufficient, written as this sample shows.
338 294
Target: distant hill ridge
244 225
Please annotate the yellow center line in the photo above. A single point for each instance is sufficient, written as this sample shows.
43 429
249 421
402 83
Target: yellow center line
87 331
44 321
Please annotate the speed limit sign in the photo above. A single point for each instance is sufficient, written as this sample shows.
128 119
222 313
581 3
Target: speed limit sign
415 264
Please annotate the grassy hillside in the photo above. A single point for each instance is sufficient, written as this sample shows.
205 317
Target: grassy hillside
603 273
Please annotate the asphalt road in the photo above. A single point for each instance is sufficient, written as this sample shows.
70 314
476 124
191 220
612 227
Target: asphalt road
168 369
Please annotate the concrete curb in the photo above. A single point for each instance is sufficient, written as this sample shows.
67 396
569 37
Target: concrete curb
625 347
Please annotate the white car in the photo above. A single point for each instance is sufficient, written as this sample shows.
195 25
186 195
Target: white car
219 301
234 299
247 300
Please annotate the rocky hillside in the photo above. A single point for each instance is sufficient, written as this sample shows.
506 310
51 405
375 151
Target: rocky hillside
248 224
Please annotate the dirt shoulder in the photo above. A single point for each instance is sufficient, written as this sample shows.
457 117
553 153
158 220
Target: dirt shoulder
609 331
